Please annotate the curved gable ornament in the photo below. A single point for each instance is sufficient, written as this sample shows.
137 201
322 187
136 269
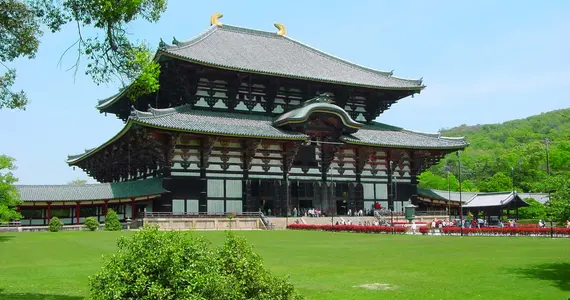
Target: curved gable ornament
322 105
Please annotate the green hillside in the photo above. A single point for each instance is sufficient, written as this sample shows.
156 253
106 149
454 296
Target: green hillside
514 149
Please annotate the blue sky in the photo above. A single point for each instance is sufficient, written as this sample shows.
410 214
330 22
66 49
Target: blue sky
482 62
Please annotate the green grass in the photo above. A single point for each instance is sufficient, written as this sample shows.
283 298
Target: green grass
322 265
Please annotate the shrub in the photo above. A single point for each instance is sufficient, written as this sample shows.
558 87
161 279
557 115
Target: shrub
91 223
155 264
55 224
112 221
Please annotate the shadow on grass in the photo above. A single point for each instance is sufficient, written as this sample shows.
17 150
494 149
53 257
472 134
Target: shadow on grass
557 273
5 238
35 296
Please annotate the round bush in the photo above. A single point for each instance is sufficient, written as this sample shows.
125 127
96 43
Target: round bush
55 224
155 264
91 223
112 221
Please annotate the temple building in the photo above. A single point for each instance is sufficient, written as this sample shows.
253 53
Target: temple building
246 121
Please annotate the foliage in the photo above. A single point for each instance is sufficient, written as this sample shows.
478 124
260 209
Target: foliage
155 264
78 181
517 146
112 221
91 223
9 196
535 210
55 224
450 182
109 52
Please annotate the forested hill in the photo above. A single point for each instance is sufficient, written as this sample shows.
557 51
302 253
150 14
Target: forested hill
517 148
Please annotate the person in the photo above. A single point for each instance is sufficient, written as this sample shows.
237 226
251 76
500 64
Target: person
413 227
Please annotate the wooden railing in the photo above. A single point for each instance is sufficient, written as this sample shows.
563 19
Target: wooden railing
199 215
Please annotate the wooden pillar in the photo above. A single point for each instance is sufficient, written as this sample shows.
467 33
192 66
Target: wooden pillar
413 178
390 187
48 214
105 207
133 209
77 212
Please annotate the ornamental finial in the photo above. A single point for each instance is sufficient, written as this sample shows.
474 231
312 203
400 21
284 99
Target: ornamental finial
162 44
214 19
282 31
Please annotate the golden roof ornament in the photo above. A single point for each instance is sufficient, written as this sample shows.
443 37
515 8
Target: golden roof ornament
215 19
282 31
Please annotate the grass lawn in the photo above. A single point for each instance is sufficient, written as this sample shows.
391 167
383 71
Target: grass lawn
322 265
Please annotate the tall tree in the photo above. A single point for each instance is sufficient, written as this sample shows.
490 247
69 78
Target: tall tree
109 52
9 198
110 56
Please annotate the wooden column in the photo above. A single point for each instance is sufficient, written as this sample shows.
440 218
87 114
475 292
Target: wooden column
133 209
105 207
48 213
77 212
414 164
390 187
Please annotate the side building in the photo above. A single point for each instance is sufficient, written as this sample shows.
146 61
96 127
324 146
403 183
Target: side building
248 120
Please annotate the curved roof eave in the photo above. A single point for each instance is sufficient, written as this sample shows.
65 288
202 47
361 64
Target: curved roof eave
302 114
451 148
80 157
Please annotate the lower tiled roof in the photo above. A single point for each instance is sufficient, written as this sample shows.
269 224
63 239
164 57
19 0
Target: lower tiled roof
186 119
382 135
88 192
219 123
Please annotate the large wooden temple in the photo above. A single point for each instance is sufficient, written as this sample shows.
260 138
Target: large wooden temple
248 120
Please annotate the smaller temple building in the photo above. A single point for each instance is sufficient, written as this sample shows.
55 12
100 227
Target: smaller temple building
72 203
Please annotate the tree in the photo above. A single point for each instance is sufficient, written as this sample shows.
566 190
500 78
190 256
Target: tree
498 183
112 221
9 196
78 181
535 210
155 264
110 56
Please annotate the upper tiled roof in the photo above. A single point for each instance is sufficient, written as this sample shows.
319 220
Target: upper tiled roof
84 192
380 135
265 52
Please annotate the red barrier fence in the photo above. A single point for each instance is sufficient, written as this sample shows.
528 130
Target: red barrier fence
348 228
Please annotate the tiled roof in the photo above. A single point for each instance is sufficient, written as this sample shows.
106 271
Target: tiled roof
494 199
265 52
380 135
185 119
428 193
88 192
209 122
455 196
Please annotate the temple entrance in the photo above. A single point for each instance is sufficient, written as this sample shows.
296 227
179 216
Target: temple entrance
341 207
